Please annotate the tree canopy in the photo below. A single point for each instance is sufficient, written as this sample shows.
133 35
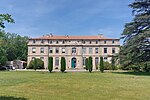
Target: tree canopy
136 35
12 46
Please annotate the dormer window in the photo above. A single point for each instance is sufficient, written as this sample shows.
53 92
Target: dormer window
83 42
90 42
113 41
63 42
34 41
50 41
57 42
96 42
42 41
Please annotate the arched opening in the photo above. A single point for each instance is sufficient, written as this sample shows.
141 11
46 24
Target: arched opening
73 62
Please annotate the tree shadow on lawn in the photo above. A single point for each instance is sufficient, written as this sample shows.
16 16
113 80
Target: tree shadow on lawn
134 73
11 98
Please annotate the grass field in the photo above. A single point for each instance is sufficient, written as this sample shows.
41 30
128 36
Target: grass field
17 85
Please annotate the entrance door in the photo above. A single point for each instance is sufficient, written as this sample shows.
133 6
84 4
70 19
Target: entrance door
73 63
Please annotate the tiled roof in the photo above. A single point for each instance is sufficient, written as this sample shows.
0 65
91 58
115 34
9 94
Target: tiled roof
53 37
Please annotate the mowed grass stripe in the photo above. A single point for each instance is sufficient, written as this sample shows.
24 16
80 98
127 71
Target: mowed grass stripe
76 86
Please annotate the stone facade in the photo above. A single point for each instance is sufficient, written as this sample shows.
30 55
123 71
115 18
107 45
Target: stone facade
75 49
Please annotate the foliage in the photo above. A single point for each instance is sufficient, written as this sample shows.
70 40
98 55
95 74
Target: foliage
15 46
86 64
36 64
5 18
136 37
113 63
3 57
63 64
90 64
50 64
101 64
107 65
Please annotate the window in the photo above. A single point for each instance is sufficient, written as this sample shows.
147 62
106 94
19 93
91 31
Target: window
57 61
50 42
50 50
113 41
105 58
63 42
113 50
34 41
90 42
105 42
96 42
42 50
57 42
33 50
84 61
96 50
33 58
42 58
57 50
84 50
83 42
90 51
105 50
63 50
42 41
73 50
96 61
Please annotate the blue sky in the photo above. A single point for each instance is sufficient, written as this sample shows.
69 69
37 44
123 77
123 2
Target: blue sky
35 18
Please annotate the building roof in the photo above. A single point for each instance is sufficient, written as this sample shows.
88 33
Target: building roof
54 37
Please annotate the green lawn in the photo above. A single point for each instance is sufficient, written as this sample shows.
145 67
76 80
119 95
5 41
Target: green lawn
74 86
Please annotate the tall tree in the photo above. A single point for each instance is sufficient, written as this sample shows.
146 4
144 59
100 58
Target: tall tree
50 64
90 64
101 65
136 35
3 18
63 64
15 46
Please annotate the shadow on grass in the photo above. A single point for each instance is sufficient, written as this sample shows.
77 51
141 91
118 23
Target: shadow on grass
11 98
134 73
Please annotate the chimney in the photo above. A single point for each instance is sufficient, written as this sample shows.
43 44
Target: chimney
67 36
100 35
51 35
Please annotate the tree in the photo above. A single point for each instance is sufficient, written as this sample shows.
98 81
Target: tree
63 64
5 18
50 64
107 65
36 64
86 64
136 35
90 64
15 46
101 64
113 63
3 57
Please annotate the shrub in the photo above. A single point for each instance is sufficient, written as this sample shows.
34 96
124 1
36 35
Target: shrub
36 64
90 64
107 65
50 64
113 63
146 67
63 64
86 64
101 65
